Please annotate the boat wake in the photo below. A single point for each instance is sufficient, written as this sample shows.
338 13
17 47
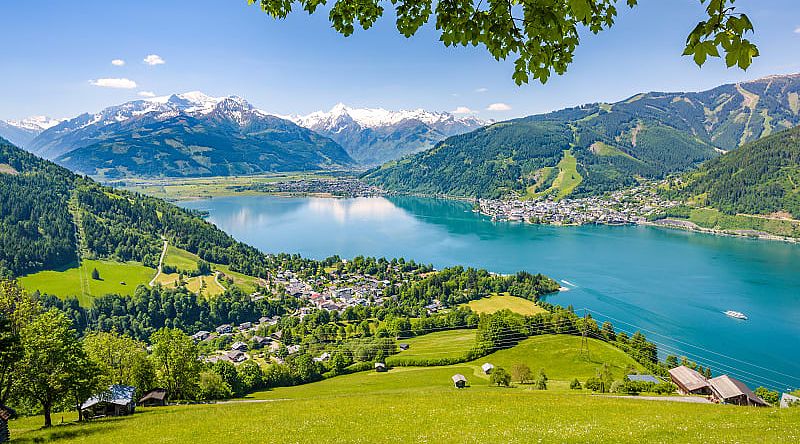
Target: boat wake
568 283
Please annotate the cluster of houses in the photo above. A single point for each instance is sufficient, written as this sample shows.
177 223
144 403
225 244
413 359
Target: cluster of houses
629 206
238 350
722 389
340 293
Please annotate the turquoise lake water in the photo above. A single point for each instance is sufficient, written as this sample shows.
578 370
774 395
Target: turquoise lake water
672 285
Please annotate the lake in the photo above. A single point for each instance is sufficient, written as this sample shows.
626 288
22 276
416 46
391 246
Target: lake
672 285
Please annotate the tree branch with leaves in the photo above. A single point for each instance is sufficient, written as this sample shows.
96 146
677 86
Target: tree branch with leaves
541 35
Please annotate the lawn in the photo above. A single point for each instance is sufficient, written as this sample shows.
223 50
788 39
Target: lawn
560 357
77 281
193 284
247 283
478 414
443 344
181 259
505 301
568 177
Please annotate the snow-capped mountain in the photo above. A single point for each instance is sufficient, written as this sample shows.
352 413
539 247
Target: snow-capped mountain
375 135
21 132
186 134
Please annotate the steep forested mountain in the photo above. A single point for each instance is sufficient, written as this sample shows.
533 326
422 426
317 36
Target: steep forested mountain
372 135
761 177
647 135
49 216
186 135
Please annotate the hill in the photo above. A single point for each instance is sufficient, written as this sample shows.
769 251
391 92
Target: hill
374 135
648 135
53 218
413 404
762 177
186 135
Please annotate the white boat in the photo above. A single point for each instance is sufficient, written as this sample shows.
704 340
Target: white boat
736 314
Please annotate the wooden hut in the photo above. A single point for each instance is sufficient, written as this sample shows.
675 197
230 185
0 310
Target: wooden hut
459 380
487 368
380 367
689 381
156 397
116 401
788 400
732 391
6 413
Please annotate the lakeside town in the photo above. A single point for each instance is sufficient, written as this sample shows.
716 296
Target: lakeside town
624 207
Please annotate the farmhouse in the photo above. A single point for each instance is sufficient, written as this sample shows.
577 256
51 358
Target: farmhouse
788 400
689 381
201 335
261 341
156 397
116 401
239 345
731 391
236 356
404 346
459 380
487 368
380 367
323 357
224 328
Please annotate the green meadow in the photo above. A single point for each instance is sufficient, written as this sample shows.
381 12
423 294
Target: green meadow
497 302
443 344
115 277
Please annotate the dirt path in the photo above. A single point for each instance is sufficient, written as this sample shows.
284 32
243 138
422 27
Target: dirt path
160 264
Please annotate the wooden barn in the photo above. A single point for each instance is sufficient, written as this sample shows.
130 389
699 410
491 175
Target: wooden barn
116 401
156 397
6 413
732 391
459 380
689 381
487 368
380 367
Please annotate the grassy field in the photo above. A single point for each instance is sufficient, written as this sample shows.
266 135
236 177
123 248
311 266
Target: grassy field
443 344
401 407
247 283
181 259
205 187
77 281
193 284
505 301
565 182
714 219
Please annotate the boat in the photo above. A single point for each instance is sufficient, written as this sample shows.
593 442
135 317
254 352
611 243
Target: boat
736 314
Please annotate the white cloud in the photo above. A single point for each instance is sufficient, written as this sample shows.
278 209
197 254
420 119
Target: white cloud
498 107
797 30
154 60
462 110
147 94
114 83
481 90
118 62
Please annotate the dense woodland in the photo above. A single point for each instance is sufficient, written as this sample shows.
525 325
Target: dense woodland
762 177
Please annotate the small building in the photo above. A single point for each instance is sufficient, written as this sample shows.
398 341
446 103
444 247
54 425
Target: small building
689 381
236 356
156 397
245 326
260 341
277 335
459 381
644 378
6 414
292 349
487 368
224 328
788 400
201 335
323 357
116 401
732 391
380 367
404 346
239 345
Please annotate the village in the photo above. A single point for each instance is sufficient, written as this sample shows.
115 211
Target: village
624 207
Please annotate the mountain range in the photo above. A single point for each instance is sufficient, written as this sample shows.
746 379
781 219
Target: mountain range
374 135
193 134
601 146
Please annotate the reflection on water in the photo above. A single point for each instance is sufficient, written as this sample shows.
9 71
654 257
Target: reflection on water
666 281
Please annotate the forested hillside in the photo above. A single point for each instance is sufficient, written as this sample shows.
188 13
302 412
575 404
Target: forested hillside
648 135
762 177
50 215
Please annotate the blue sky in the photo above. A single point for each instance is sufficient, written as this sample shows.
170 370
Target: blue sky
52 51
